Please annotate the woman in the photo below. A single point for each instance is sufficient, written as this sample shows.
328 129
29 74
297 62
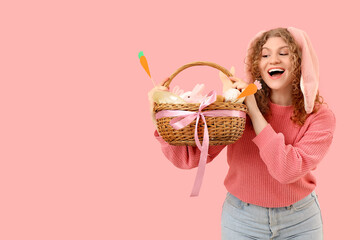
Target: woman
288 132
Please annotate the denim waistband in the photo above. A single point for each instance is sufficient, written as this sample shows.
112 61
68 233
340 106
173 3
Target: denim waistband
306 200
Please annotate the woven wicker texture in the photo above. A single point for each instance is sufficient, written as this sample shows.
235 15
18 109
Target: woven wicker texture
222 130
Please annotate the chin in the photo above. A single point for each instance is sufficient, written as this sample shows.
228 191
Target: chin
273 85
277 85
282 87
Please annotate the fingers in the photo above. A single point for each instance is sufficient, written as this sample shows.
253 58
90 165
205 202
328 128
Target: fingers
164 81
235 79
159 87
151 94
238 83
155 89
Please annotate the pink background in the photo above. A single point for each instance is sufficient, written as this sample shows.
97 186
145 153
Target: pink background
78 159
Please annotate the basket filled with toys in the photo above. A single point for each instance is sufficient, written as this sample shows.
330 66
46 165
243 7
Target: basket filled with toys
178 113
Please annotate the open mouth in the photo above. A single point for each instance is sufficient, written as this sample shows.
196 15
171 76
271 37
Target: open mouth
276 72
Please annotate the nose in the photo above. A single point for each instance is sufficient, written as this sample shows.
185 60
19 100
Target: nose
274 59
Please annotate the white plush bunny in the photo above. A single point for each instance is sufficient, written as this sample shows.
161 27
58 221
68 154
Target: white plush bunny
231 95
195 95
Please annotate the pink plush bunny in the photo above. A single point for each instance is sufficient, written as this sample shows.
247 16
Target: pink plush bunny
176 90
195 95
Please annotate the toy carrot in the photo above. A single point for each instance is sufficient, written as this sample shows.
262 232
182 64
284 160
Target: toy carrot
145 65
250 89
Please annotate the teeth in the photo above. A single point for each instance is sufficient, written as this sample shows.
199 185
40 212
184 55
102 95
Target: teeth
276 70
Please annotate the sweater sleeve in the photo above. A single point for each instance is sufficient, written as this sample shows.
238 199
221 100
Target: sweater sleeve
186 157
288 163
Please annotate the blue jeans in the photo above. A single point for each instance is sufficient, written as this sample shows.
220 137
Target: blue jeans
302 220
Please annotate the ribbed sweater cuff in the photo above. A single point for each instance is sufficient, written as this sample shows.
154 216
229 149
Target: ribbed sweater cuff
264 136
159 138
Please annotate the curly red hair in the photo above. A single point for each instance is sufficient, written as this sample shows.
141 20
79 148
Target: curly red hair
263 96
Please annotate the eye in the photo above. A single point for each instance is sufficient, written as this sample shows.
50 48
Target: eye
284 54
265 55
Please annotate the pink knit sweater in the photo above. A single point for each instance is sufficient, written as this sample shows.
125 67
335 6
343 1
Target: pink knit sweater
272 169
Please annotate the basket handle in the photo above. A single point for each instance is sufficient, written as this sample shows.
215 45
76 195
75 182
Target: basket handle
210 64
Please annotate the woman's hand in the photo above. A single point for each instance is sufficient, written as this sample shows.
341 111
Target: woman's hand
250 101
257 119
151 101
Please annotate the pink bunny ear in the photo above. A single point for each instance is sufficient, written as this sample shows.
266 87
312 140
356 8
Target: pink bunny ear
309 81
176 90
197 89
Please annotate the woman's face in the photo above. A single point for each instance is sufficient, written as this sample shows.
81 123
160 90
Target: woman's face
275 65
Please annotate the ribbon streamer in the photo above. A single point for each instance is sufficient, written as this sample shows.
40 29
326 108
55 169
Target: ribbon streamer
184 118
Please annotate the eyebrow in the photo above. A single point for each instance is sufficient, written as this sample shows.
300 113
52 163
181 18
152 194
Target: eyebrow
279 47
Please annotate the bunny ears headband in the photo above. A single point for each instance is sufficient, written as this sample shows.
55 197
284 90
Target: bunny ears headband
309 82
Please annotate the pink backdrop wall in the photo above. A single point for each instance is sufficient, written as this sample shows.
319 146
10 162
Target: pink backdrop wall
78 159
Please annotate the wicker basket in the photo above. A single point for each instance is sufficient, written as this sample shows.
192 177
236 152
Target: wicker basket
222 130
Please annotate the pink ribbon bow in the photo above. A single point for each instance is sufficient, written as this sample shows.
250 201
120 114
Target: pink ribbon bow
184 118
